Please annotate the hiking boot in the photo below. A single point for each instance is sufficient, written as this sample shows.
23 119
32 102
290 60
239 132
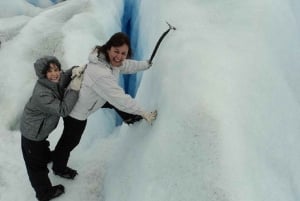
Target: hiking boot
53 192
68 173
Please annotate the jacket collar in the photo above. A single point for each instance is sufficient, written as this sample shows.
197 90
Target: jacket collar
93 58
47 83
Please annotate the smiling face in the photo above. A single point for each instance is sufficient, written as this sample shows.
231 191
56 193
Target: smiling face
53 73
117 55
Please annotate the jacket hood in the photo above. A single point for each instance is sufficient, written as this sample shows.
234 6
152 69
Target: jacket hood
41 65
94 59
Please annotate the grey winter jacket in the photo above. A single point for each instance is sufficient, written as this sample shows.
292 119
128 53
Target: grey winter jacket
100 85
49 101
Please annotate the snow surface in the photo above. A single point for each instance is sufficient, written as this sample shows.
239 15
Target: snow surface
225 84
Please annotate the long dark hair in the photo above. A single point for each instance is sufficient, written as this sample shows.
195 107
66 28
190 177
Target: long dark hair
116 40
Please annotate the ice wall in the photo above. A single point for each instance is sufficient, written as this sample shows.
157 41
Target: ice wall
226 87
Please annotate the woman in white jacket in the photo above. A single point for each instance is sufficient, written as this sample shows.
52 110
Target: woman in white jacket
100 89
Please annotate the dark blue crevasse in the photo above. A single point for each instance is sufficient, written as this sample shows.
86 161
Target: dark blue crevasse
130 24
37 2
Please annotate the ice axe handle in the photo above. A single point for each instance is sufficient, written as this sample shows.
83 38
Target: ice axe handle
159 41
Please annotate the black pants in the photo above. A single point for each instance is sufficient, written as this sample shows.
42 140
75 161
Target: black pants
126 117
36 156
70 138
73 130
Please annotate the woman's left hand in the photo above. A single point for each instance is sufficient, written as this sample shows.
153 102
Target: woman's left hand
78 71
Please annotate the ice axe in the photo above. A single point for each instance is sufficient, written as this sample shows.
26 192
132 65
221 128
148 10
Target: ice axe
159 41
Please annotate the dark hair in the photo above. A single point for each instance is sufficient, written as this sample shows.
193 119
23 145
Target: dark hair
51 61
116 40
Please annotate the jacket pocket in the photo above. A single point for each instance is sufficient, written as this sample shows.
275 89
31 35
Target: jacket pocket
40 128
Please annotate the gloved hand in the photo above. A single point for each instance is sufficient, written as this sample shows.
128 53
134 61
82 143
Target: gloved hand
77 71
149 116
75 83
150 63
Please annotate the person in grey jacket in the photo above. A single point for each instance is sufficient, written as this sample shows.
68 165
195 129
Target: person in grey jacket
50 100
100 89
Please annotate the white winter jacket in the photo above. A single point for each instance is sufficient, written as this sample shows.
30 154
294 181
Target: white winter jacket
100 85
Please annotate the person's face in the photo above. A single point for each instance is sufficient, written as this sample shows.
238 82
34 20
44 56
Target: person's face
117 55
53 73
